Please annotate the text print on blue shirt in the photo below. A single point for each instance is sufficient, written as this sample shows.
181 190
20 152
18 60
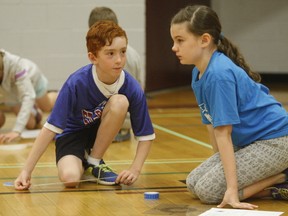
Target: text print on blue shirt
205 112
90 116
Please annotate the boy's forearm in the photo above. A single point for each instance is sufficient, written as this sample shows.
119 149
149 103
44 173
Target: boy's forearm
40 145
142 152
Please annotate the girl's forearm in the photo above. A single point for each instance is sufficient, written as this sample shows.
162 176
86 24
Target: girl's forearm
225 146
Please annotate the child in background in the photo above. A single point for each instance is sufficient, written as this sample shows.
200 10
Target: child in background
133 65
89 111
23 90
238 111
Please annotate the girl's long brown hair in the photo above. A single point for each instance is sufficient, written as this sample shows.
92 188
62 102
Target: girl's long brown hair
202 19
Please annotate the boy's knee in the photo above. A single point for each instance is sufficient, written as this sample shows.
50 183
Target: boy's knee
120 100
119 103
70 178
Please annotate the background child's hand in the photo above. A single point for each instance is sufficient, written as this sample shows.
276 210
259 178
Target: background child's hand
8 137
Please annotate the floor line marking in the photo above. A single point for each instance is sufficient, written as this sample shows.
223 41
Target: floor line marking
183 115
118 162
182 136
142 174
164 191
115 189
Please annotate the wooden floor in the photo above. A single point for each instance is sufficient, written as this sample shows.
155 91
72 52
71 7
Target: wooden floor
181 145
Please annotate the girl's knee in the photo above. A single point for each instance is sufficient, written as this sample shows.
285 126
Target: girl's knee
207 195
203 190
191 183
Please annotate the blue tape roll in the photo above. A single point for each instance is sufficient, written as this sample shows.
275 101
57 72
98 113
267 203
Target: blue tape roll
151 195
9 184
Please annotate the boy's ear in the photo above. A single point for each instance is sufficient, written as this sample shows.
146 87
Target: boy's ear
92 57
206 39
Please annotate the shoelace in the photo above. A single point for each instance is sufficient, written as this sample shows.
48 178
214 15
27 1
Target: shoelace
282 191
104 168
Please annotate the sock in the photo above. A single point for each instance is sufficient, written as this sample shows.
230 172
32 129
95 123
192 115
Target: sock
93 161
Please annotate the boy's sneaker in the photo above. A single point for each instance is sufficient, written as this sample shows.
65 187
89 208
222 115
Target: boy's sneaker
102 174
279 191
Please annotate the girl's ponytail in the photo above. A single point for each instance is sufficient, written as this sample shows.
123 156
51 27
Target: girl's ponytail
230 50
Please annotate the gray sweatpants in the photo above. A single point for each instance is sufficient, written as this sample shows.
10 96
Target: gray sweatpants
254 162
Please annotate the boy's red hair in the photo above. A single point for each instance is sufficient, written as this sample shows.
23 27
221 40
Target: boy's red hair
102 33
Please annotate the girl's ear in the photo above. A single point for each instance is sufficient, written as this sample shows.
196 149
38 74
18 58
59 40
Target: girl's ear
206 39
92 57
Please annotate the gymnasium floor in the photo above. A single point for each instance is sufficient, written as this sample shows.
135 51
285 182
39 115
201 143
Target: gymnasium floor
181 145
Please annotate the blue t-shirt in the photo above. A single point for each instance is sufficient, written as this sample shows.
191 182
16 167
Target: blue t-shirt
226 95
80 104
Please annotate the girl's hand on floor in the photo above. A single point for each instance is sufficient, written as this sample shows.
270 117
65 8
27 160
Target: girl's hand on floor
233 200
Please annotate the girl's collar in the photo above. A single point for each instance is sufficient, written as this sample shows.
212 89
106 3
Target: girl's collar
200 75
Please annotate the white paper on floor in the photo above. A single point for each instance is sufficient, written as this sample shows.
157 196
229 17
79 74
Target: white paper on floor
238 212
